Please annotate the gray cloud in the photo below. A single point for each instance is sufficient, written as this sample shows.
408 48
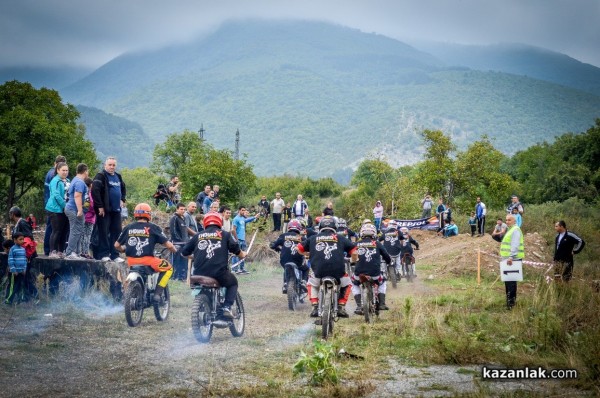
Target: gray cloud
90 33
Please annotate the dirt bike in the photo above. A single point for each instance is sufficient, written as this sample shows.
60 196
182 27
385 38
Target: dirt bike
139 289
296 292
391 273
369 298
328 299
408 270
206 309
349 266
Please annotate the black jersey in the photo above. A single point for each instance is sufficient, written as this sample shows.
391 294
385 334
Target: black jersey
370 252
287 244
407 244
139 238
391 241
327 253
211 249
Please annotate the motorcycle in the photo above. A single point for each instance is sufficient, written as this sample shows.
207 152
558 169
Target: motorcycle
369 297
296 292
328 299
139 288
206 309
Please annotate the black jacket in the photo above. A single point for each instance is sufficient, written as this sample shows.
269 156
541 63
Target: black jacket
100 191
569 245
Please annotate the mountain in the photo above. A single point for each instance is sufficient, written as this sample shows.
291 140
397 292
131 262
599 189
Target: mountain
116 136
50 77
315 98
520 59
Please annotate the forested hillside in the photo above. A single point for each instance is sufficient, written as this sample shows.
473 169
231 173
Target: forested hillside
335 94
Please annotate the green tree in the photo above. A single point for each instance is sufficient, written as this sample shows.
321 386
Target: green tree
36 127
141 185
436 172
169 157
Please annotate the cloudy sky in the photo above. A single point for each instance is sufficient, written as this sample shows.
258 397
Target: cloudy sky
90 33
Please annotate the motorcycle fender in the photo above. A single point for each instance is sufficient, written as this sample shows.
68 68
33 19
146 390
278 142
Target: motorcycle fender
195 292
133 276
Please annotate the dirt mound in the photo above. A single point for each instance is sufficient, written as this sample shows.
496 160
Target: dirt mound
458 254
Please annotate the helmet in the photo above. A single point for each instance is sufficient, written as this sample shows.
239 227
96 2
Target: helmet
212 218
328 222
318 220
366 221
368 230
342 223
143 210
295 225
404 230
392 224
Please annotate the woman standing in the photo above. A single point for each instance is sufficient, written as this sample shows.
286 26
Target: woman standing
378 214
56 210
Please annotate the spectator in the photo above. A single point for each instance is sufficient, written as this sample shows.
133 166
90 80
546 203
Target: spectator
441 214
299 207
238 230
308 219
200 198
566 244
226 214
190 220
287 216
515 204
31 221
49 176
199 221
216 189
448 214
512 249
89 218
23 227
426 205
174 189
215 206
277 206
473 223
378 214
17 265
109 195
328 210
208 199
451 229
74 211
264 207
480 212
55 206
499 230
518 218
179 237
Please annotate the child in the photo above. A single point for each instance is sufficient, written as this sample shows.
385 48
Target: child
90 220
473 223
518 219
17 264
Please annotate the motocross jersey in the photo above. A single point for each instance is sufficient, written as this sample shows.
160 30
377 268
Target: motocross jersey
139 239
287 243
391 241
327 253
211 249
407 245
370 252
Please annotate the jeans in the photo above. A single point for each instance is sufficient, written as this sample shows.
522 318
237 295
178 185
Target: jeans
242 265
88 228
76 225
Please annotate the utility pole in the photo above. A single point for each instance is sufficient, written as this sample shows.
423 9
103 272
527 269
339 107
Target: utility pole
201 131
237 144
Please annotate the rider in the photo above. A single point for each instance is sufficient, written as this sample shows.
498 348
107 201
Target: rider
287 244
407 244
137 241
370 252
326 253
391 242
211 248
343 229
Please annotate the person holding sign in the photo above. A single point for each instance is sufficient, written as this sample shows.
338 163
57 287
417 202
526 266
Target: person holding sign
512 250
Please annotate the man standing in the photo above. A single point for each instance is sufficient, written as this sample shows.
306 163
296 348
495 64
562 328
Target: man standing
179 237
173 188
277 206
74 211
263 206
108 194
190 219
226 214
515 204
566 244
208 200
426 205
512 249
480 212
49 176
238 230
299 207
216 191
200 198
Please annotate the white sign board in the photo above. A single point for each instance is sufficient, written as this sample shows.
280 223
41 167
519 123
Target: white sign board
511 273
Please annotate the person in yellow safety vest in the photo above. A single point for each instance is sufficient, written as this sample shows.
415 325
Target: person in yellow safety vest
512 249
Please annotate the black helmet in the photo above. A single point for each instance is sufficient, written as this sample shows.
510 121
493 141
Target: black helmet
328 222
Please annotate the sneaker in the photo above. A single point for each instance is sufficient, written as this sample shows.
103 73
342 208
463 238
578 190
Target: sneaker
119 260
342 312
73 256
284 289
227 313
243 272
61 255
106 258
54 254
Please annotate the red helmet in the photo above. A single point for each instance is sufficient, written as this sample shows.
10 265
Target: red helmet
318 219
212 218
143 210
295 225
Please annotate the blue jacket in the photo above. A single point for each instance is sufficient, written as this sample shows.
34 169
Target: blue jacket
56 202
17 259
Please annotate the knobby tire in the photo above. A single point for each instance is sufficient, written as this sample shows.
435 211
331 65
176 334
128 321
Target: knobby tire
161 311
134 303
238 324
201 314
327 316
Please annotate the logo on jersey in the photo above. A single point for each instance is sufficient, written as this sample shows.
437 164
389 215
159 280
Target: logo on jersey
368 253
206 245
138 243
391 238
326 248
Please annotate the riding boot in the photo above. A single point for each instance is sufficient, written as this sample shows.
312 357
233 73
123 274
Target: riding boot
315 311
158 292
342 311
358 310
382 305
284 288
